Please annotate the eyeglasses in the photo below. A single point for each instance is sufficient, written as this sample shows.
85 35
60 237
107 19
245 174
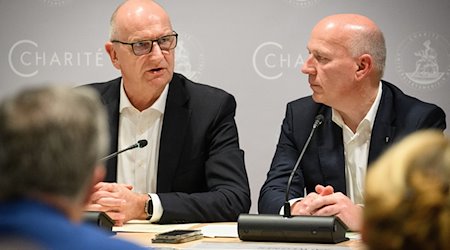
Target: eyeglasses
140 48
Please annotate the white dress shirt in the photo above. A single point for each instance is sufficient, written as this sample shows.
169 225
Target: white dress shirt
356 150
139 167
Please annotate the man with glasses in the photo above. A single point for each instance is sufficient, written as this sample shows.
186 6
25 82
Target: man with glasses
192 169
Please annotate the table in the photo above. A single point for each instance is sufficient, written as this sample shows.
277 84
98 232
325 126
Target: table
144 239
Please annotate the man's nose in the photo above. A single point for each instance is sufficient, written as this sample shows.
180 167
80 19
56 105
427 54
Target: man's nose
308 66
156 50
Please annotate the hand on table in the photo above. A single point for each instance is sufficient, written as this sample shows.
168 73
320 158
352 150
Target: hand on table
118 201
325 202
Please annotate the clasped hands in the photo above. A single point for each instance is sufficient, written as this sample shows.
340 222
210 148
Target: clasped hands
118 201
325 202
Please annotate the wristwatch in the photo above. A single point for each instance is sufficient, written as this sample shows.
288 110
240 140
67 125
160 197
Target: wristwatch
149 207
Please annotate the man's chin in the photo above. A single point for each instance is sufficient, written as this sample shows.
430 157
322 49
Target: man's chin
317 98
157 79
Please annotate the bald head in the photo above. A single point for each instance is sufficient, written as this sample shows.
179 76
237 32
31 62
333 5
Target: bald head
137 14
358 34
349 22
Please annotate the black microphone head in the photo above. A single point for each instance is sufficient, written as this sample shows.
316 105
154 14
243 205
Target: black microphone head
142 143
318 120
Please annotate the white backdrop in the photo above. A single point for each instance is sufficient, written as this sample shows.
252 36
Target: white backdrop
251 48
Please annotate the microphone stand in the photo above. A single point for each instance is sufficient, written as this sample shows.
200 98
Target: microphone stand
287 205
140 144
288 228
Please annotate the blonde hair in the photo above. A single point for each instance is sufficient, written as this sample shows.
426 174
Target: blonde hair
407 201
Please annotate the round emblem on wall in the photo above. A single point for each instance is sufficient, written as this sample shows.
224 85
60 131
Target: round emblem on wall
189 57
423 60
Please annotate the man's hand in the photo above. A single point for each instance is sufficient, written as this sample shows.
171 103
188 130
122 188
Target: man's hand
304 206
118 201
327 203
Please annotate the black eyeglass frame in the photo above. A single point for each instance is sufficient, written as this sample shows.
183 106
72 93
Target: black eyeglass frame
175 34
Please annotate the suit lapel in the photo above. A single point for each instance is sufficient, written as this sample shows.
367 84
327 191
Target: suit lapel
175 124
110 98
383 131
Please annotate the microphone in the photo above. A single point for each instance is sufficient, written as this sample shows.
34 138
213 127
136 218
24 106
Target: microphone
287 206
288 228
139 144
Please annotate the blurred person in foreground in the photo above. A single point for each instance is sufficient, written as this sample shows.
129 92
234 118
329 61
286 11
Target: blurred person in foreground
363 116
407 195
50 141
192 169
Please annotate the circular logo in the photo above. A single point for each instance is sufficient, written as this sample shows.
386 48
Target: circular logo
423 60
189 57
302 3
19 54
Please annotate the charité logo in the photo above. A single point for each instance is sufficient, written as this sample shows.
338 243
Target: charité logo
423 60
26 58
270 60
189 58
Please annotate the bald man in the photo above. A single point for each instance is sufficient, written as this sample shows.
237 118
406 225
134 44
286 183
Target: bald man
192 169
363 115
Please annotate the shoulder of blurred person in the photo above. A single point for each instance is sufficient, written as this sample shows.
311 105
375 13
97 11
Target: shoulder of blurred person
51 138
407 198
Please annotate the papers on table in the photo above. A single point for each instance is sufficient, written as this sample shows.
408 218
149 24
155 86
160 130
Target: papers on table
143 226
220 231
226 230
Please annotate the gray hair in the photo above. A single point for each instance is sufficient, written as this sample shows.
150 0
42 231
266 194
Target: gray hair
50 141
370 42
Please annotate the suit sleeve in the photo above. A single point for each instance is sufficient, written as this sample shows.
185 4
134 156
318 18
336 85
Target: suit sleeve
435 118
273 191
228 192
428 116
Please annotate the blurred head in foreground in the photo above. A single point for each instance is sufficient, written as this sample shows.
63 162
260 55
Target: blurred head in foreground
50 141
407 198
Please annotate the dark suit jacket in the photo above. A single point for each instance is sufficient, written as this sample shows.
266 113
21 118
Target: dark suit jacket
323 161
201 171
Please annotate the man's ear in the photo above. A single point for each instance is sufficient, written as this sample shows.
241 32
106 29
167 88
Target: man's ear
109 47
365 66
